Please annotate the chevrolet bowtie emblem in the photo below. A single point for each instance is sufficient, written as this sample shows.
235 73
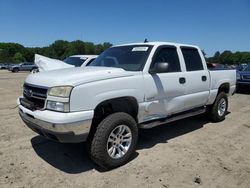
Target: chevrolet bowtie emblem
29 93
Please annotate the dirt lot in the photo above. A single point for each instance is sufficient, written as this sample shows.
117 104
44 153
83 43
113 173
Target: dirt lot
188 153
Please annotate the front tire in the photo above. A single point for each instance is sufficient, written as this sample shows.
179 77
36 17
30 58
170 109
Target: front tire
114 141
15 70
218 110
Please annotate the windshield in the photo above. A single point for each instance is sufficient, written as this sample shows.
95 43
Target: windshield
247 68
130 58
75 61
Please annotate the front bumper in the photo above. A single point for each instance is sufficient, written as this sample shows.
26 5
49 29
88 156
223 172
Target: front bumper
71 127
243 83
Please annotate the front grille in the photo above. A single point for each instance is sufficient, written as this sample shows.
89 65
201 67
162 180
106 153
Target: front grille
246 77
34 96
34 91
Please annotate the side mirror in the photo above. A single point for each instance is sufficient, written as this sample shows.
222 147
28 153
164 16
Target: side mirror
159 67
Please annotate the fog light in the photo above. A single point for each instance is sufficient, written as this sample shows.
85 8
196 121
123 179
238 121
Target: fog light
58 106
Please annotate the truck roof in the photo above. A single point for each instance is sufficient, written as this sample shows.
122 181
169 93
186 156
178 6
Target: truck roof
158 43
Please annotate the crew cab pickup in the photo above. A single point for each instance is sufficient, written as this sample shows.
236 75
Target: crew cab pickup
131 86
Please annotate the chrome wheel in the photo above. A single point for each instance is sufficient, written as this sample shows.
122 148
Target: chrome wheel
119 141
222 107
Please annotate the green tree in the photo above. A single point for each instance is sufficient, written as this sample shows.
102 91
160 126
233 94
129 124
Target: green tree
60 49
18 57
245 57
73 48
226 57
90 48
216 57
28 54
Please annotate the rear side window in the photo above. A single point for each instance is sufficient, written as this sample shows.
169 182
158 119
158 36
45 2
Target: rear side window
192 59
169 55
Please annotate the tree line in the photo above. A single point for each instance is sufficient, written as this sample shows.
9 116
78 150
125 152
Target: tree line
230 58
60 49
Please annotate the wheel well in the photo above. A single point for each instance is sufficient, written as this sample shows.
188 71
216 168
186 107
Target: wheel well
15 69
224 88
123 104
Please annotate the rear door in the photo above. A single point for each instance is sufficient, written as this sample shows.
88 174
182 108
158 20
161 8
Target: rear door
164 92
197 78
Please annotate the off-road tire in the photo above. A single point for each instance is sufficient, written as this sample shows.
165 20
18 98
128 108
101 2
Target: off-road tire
212 110
98 148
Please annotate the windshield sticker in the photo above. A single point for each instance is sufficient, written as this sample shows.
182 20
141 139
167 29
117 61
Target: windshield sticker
83 58
140 48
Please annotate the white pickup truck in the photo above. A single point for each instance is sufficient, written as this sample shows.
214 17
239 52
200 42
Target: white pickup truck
127 87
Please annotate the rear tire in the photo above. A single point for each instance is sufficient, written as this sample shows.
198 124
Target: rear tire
114 141
218 110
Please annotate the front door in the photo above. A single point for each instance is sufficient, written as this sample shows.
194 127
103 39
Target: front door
165 91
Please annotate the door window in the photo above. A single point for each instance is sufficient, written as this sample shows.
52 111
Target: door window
170 56
192 59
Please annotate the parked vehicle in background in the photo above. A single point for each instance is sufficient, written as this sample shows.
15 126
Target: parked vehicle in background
241 67
243 78
22 67
231 66
131 86
80 60
216 66
4 65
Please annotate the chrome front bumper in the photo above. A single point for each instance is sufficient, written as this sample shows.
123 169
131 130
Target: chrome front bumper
63 132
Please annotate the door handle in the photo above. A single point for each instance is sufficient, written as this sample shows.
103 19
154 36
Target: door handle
204 78
182 80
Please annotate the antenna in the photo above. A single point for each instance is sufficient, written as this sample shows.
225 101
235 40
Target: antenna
146 40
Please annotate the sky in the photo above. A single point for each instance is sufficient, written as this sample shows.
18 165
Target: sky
214 25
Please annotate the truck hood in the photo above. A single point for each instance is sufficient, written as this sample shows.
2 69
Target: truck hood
75 76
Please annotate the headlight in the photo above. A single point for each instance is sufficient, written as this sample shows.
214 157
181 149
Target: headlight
60 91
58 106
238 76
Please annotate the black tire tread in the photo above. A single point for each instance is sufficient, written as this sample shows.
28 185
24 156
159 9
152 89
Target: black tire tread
212 110
96 149
15 70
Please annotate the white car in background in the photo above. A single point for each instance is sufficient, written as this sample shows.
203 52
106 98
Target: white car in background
46 64
80 60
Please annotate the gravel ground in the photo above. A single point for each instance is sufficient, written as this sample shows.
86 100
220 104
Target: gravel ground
188 153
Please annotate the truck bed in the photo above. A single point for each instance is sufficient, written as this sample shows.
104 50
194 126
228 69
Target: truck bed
218 77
